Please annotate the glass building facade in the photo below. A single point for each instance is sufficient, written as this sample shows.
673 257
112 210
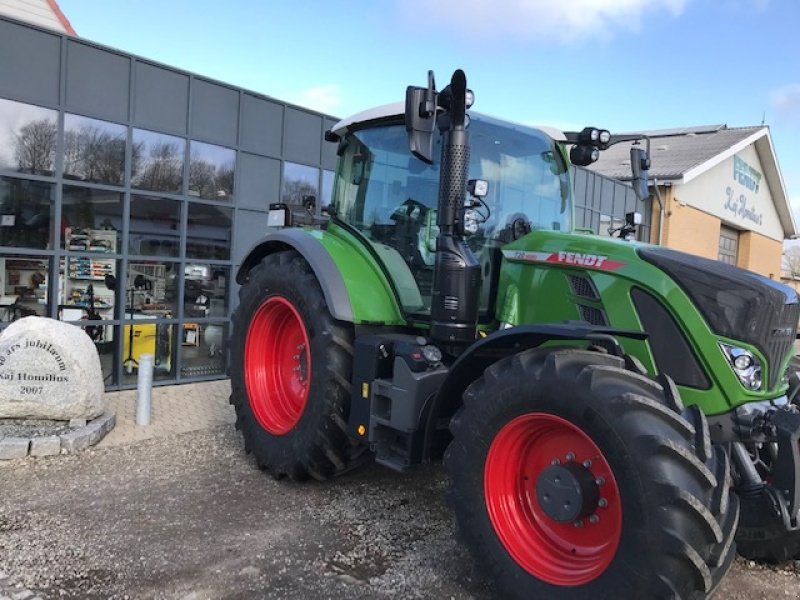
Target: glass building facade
130 192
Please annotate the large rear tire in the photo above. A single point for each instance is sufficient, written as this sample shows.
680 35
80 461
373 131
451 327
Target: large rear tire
575 478
291 364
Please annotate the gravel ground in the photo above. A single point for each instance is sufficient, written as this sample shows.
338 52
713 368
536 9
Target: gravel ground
33 427
191 517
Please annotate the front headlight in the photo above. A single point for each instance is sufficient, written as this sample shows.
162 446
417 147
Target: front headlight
746 366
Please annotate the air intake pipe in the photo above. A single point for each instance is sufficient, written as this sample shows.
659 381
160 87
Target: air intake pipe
457 274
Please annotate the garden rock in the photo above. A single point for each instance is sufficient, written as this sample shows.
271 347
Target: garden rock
49 370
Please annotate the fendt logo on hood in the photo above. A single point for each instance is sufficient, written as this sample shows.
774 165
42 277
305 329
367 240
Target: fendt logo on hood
590 261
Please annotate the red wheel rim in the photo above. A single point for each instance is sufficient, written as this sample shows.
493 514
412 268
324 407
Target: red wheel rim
565 554
277 362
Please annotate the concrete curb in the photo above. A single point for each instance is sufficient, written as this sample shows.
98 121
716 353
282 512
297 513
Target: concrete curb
72 442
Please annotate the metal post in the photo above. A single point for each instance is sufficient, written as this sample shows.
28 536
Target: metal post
144 389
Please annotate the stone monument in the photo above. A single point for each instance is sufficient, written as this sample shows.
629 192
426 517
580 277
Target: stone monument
49 370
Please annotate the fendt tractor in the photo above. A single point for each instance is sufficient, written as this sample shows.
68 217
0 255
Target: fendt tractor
615 417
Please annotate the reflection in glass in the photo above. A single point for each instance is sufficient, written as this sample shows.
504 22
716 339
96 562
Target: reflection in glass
23 287
203 349
94 150
141 336
150 289
209 231
205 289
157 161
154 226
327 189
91 220
26 213
211 171
299 182
28 136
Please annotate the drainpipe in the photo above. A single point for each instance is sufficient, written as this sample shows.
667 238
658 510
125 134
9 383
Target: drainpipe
660 211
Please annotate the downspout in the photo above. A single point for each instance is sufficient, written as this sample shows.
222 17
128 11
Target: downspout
660 211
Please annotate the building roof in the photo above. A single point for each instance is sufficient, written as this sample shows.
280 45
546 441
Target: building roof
44 13
680 155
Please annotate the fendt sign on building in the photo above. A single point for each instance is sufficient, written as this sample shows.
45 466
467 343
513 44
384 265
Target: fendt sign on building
737 192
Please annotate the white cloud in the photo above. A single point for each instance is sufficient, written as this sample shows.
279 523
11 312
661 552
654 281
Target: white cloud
567 20
323 98
786 103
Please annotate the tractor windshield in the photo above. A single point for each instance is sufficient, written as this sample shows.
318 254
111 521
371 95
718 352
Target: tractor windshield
390 197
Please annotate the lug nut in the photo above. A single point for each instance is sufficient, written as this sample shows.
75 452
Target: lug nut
570 456
599 481
594 519
578 523
555 461
602 503
587 463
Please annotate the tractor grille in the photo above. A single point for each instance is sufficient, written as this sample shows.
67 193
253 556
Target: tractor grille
593 315
582 287
737 304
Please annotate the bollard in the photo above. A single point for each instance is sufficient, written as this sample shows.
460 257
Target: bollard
144 390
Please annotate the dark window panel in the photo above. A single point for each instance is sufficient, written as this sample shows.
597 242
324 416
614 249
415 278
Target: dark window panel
326 194
26 213
28 137
209 231
157 161
211 170
94 150
154 226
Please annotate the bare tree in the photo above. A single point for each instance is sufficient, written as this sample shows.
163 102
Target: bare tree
295 189
35 146
161 170
93 154
791 261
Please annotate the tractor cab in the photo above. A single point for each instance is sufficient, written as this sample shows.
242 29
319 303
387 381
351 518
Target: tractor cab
389 196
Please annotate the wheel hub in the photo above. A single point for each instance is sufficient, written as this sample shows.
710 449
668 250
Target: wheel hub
567 492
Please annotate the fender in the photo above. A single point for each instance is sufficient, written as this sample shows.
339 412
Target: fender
354 288
487 351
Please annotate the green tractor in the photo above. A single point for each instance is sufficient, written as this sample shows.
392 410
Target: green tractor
615 417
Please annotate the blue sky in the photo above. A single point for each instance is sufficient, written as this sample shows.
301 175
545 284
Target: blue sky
619 64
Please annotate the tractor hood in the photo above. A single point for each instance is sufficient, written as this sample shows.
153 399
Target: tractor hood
735 303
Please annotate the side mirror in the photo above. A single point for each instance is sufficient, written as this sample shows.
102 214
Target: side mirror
309 202
640 165
110 281
421 119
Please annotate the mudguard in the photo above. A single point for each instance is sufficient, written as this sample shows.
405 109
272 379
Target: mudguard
355 288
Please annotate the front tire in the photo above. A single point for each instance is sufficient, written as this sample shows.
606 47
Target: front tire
656 517
291 364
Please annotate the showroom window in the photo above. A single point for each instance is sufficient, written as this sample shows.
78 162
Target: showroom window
155 226
157 161
28 136
24 283
91 220
26 213
211 171
94 151
208 231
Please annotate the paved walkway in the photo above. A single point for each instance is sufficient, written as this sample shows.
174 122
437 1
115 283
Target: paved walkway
176 409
